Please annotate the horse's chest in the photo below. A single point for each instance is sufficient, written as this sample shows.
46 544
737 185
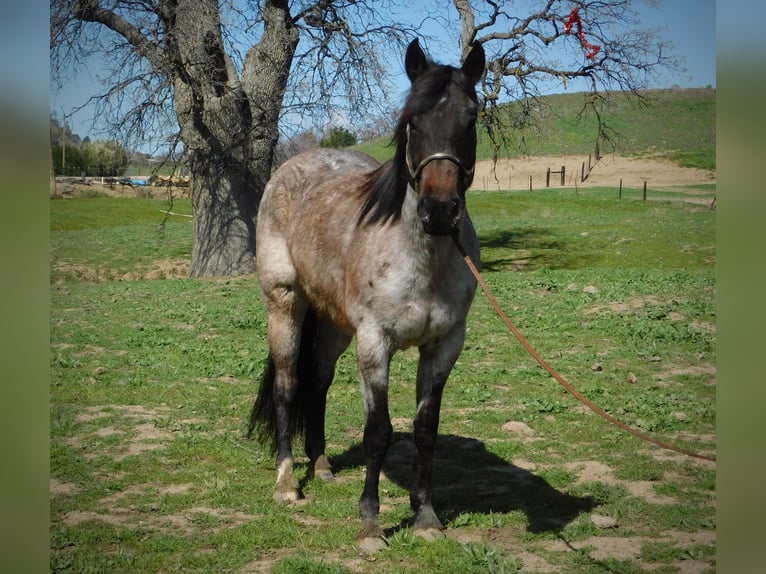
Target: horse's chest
412 312
409 300
421 319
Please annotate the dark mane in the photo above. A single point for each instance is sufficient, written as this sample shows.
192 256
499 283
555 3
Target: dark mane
387 185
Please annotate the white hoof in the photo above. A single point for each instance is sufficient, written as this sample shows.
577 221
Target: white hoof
371 545
286 496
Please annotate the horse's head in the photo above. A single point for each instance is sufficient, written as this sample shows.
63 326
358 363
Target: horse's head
439 131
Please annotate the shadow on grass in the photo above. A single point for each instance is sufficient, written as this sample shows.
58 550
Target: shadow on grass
529 249
469 479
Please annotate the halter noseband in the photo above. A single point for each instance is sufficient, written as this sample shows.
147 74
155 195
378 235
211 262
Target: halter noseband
415 172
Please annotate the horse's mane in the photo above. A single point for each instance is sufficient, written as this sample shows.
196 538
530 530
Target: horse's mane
386 186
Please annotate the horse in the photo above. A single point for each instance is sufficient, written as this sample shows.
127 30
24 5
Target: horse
347 247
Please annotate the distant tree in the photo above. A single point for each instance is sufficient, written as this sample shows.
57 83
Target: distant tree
104 158
378 126
338 138
74 157
292 146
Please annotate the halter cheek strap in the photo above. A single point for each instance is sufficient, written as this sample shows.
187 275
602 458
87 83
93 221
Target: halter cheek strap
415 172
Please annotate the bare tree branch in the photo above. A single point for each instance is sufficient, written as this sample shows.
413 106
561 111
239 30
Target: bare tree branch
599 43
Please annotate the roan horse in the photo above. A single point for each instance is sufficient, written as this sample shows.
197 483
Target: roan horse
348 247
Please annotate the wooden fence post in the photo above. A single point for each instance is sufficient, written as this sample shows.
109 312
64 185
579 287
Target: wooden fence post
548 178
620 196
644 190
563 175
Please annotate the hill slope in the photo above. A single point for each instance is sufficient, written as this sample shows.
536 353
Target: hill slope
676 124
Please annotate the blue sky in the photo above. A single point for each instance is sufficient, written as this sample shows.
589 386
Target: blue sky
689 24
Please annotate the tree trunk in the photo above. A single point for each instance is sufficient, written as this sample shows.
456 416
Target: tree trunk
229 126
224 207
53 190
229 129
225 191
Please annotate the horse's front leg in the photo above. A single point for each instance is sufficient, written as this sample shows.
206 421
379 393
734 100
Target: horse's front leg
436 361
373 358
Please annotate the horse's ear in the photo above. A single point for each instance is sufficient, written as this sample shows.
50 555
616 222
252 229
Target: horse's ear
415 62
473 67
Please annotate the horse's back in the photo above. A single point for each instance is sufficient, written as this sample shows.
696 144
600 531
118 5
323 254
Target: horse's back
307 185
305 176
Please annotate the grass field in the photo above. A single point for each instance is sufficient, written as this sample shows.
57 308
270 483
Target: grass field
153 375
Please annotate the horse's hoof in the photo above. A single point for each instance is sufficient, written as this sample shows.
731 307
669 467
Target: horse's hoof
371 545
321 469
286 496
428 534
426 520
324 474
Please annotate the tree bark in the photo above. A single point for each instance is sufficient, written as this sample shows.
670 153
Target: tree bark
230 129
215 122
229 126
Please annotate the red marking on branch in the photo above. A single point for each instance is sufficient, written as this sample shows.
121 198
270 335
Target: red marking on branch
574 20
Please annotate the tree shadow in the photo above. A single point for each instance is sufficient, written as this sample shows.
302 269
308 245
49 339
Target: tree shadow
535 248
467 478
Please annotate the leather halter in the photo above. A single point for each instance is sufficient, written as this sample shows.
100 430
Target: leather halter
415 172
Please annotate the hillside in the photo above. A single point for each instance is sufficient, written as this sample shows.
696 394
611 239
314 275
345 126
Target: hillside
675 124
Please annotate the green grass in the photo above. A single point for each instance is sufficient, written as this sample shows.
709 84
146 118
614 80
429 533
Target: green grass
677 124
152 381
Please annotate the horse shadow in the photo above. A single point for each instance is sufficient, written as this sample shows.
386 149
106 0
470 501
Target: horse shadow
530 248
467 478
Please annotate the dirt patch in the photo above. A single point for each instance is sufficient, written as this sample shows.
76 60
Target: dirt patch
173 268
131 411
703 369
659 173
141 429
595 471
58 488
518 428
630 548
70 188
149 519
627 307
617 548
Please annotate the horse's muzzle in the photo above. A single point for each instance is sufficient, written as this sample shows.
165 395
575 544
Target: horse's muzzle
439 217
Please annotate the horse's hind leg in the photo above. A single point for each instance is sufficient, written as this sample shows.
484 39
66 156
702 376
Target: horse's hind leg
284 341
329 344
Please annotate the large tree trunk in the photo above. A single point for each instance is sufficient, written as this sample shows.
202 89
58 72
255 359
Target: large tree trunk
229 129
224 206
225 192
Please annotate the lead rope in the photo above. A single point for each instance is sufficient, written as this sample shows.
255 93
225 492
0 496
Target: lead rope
579 396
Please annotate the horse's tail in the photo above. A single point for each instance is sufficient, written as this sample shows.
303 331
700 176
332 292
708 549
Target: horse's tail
263 417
